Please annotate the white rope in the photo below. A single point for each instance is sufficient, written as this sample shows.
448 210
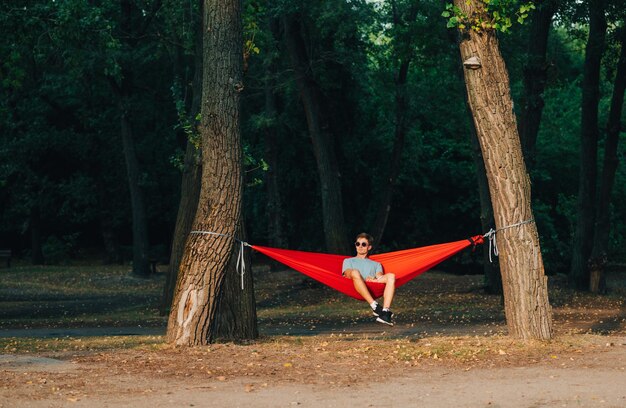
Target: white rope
241 262
491 236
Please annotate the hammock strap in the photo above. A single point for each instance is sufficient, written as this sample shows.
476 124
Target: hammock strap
491 236
241 262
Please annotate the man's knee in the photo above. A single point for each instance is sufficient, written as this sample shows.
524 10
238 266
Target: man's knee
391 277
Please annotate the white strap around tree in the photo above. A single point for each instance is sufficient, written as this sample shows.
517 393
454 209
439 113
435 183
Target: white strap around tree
491 236
241 263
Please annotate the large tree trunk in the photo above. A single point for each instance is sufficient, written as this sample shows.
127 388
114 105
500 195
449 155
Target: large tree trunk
327 166
190 184
597 282
527 309
189 196
493 277
206 257
583 234
235 318
535 76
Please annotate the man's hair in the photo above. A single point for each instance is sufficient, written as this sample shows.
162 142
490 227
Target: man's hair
368 237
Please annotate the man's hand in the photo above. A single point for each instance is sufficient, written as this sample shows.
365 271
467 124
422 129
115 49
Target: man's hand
371 279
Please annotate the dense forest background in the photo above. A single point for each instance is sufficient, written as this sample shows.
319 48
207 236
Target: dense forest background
97 96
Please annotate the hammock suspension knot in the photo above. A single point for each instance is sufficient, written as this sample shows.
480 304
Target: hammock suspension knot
241 262
491 236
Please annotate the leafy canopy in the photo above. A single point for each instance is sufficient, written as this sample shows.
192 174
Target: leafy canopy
488 15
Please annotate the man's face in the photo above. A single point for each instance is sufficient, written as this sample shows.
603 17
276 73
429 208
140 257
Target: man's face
362 246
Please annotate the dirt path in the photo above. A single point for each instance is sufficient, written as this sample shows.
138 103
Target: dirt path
593 378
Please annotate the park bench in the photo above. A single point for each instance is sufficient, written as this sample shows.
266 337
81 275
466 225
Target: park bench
6 254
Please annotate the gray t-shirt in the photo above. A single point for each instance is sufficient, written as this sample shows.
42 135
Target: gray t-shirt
365 266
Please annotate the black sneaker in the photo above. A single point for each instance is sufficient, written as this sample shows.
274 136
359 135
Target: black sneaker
385 317
378 311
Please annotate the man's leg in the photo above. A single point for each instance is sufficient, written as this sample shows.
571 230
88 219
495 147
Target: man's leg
389 279
359 284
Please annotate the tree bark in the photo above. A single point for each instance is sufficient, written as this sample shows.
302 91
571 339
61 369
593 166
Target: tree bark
491 270
206 257
235 318
190 184
585 206
189 196
527 309
535 76
328 170
597 281
493 277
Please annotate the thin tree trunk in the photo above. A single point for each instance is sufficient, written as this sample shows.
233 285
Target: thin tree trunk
112 252
206 257
123 93
329 176
275 229
585 206
190 184
275 225
401 122
527 309
36 243
597 283
401 128
141 265
535 76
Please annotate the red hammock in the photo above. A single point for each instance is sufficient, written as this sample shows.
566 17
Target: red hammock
405 264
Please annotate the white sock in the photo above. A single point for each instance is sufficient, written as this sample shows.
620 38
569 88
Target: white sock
373 305
385 309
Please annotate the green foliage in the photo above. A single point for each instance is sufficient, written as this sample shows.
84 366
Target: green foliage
61 154
498 15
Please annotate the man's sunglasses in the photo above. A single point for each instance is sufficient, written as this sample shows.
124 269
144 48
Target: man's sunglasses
363 244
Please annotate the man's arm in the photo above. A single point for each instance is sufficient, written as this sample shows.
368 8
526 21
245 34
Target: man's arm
379 272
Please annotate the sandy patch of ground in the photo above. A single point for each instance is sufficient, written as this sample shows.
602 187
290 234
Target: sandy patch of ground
333 371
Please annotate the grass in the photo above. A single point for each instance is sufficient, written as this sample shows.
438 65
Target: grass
91 296
47 346
78 296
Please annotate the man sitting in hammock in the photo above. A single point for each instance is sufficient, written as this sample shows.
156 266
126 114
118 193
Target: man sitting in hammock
361 269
